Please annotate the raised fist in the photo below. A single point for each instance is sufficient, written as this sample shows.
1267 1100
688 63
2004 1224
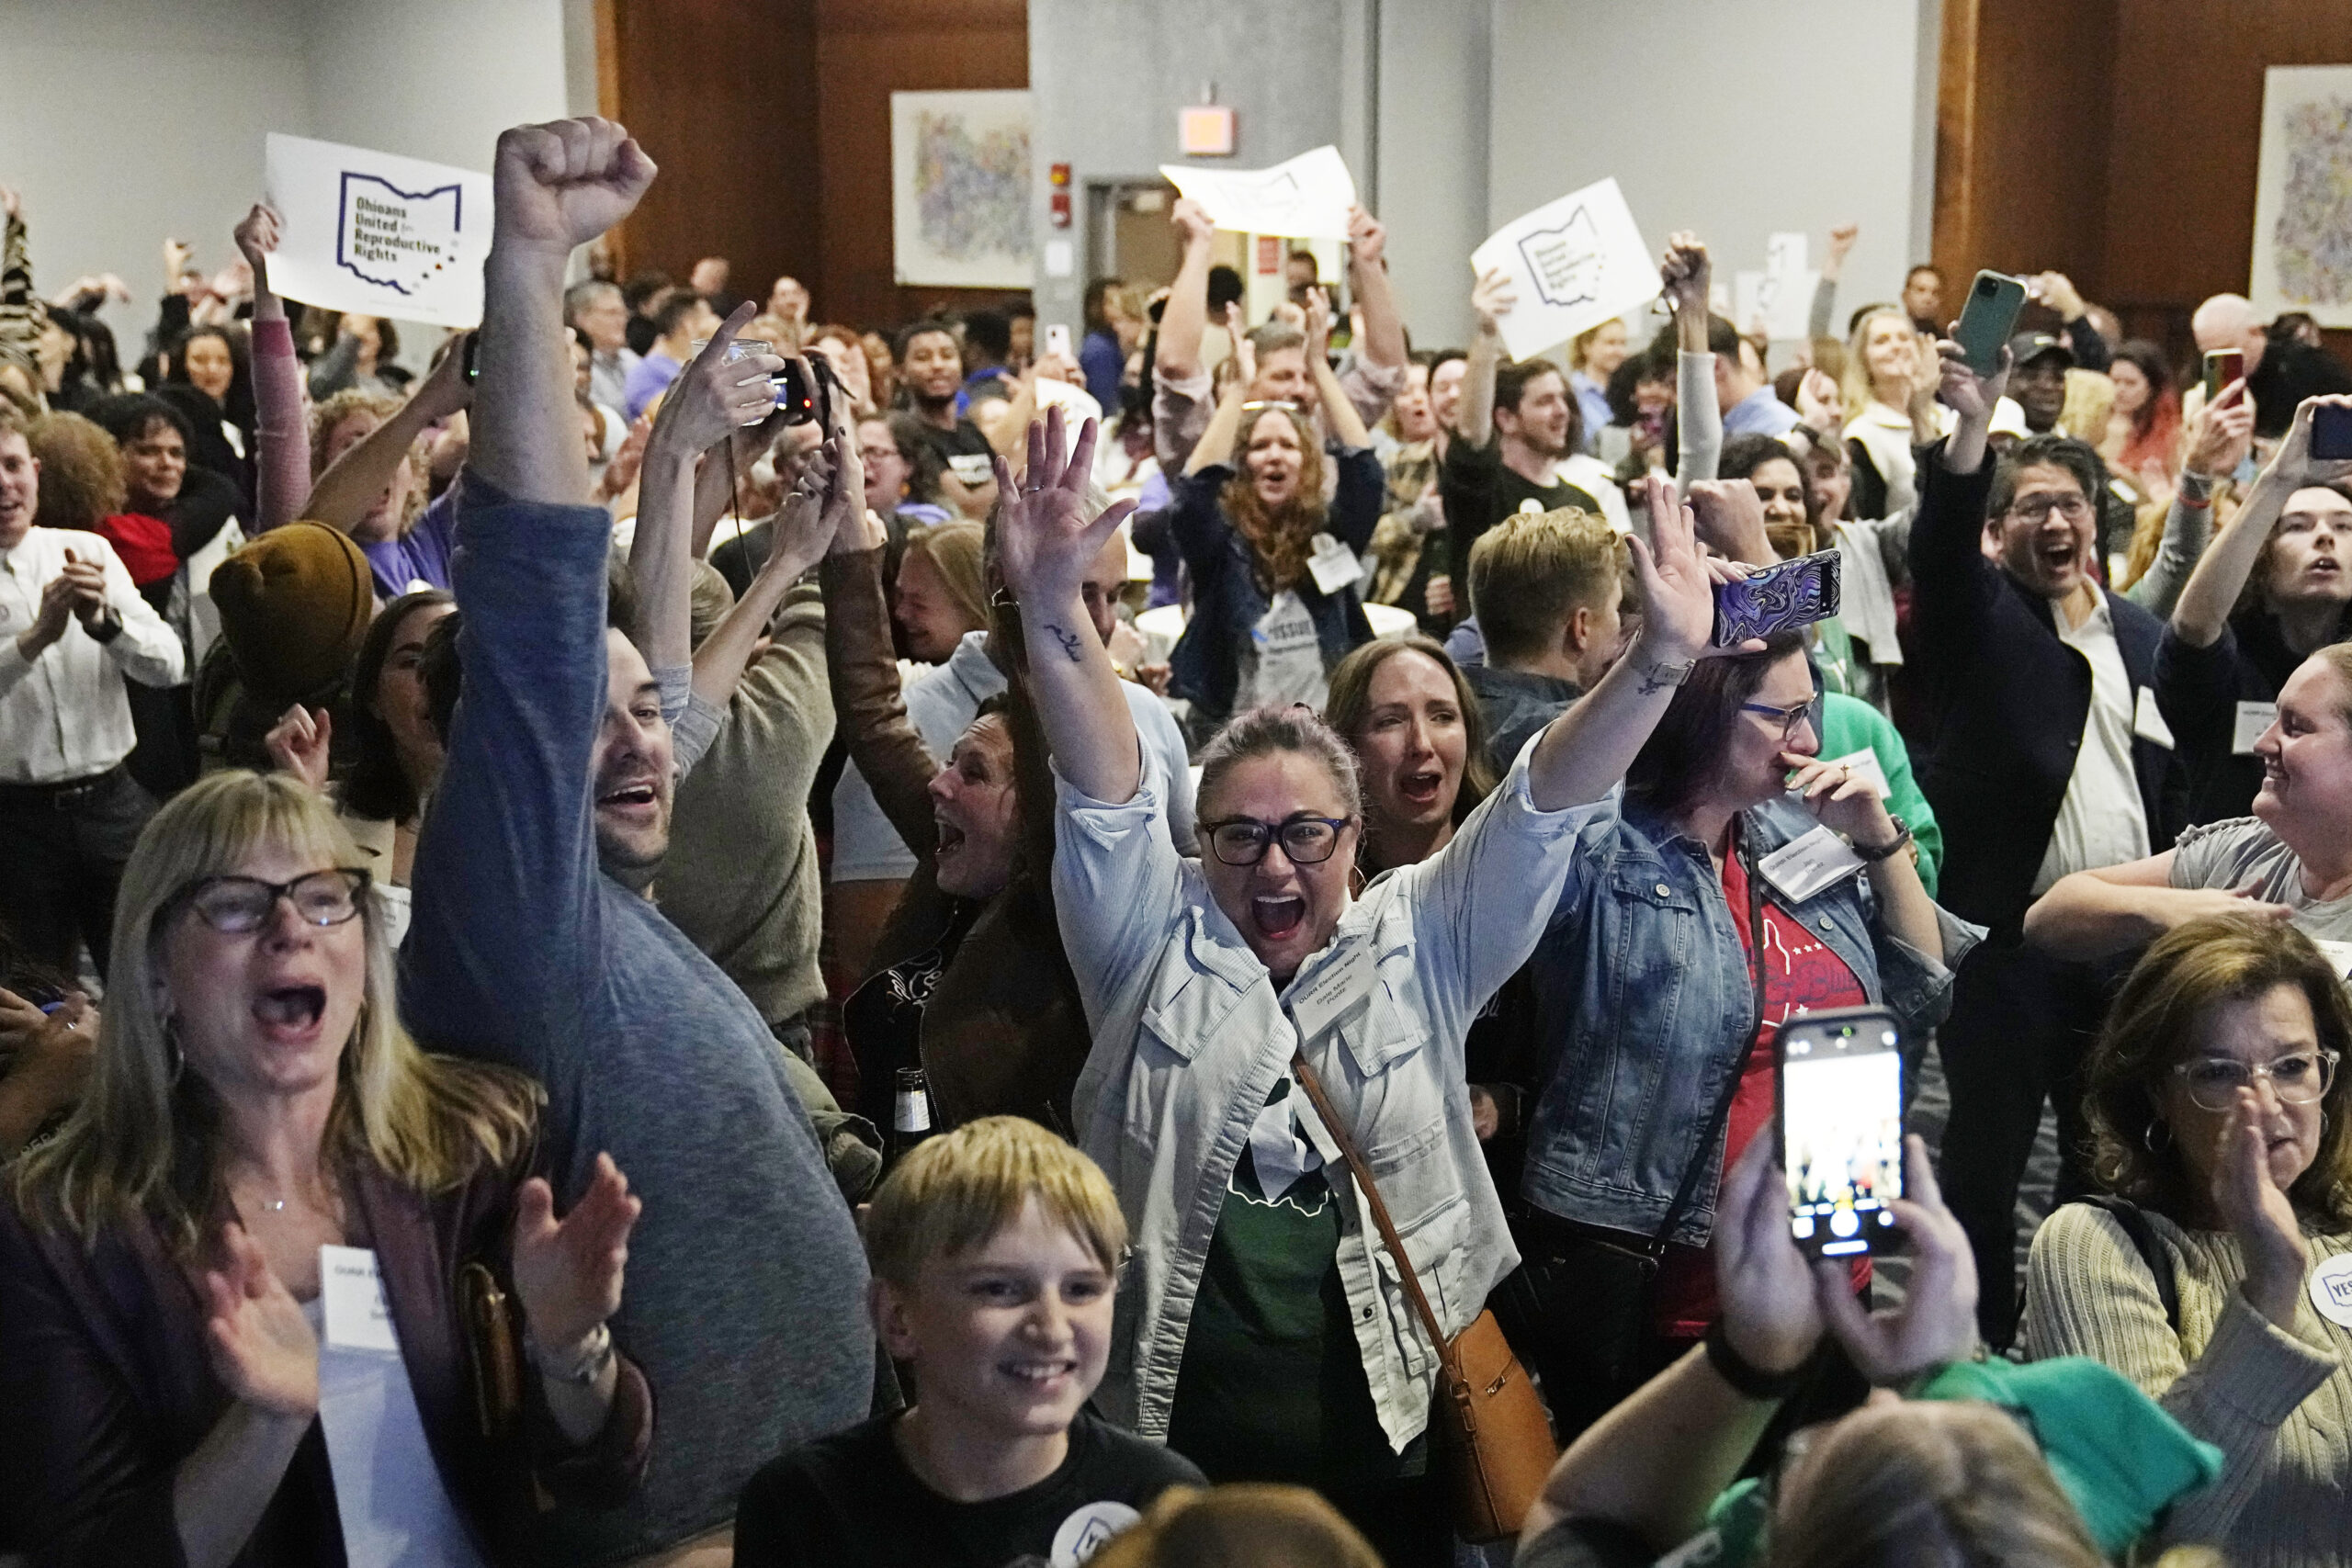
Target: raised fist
562 184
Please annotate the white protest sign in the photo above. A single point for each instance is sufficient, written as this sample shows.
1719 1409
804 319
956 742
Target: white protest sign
378 234
1784 255
1783 301
1305 199
1574 264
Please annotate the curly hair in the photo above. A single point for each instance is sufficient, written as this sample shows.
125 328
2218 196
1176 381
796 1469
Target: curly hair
81 472
1280 540
340 406
2158 1019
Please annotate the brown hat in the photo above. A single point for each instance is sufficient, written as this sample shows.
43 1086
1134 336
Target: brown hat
294 604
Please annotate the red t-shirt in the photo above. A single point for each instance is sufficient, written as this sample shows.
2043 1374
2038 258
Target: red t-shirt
1802 973
143 544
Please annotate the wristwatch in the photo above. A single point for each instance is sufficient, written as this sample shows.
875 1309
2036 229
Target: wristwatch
1876 853
582 1370
109 626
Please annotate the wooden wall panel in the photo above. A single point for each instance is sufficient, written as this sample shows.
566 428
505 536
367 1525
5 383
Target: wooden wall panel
723 95
866 50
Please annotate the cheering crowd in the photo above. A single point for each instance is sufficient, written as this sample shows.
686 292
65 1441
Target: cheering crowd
700 936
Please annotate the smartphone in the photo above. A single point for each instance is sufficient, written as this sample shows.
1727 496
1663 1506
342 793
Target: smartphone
1988 318
2222 367
794 395
1840 1083
1058 340
2331 432
828 382
471 349
1780 597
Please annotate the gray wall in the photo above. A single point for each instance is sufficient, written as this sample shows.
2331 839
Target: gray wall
1766 114
126 120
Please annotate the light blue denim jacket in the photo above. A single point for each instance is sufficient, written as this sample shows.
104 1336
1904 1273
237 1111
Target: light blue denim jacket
1644 1001
1191 1037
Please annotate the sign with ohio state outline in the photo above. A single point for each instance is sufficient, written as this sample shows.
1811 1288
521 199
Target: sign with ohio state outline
377 233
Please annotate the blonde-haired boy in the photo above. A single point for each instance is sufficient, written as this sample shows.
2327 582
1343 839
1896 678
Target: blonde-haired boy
995 1251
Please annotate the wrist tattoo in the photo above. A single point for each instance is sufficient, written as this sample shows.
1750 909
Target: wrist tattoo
1068 639
1660 677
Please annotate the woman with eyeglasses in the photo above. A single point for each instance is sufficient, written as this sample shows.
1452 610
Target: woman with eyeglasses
1272 551
1678 949
2218 1120
1270 1337
191 1341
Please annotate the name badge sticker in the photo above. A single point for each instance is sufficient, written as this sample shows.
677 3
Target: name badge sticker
351 1288
2252 720
1333 566
1865 765
2331 1289
2147 723
2338 955
1804 866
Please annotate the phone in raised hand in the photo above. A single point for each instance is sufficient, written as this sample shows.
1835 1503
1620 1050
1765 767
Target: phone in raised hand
1778 598
1988 318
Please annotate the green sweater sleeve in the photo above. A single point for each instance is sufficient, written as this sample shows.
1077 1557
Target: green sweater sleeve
1850 725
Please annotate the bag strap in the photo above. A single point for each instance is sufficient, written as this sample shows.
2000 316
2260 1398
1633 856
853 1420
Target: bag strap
1313 1085
2135 1224
1721 1116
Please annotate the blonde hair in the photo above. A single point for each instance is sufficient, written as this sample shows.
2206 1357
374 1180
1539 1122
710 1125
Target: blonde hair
327 416
1926 1482
956 549
1856 380
1532 571
144 1142
1251 1524
955 1191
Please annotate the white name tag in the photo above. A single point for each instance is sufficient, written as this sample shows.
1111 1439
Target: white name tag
970 468
2338 955
351 1290
1333 566
1802 867
2252 719
2147 723
1863 764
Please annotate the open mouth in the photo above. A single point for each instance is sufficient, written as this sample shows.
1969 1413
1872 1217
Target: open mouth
1037 1374
951 837
1277 915
295 1008
638 797
1421 787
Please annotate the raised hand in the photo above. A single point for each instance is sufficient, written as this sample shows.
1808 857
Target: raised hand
1937 1322
1821 404
1770 1314
1193 225
805 522
1045 541
1317 327
1492 297
1678 589
2259 1215
1730 518
2222 433
298 742
258 234
1841 245
2057 290
177 256
1245 353
562 184
569 1271
12 204
260 1345
2293 462
1970 396
843 524
720 390
58 1048
1683 273
1367 237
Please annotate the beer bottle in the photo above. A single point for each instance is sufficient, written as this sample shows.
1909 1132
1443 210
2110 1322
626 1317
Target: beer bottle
910 1117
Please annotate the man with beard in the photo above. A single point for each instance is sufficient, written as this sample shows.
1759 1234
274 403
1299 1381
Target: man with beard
533 944
1516 424
2050 757
931 367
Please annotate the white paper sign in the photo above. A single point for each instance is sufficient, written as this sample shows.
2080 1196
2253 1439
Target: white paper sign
1305 198
1784 255
1575 263
1783 301
379 235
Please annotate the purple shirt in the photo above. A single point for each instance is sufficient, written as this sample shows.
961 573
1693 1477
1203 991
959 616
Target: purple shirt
420 558
648 379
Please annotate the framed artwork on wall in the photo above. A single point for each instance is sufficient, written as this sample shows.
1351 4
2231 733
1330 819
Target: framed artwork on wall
961 212
2303 204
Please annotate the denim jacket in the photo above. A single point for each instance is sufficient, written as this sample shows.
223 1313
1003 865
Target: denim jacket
1645 999
1191 1037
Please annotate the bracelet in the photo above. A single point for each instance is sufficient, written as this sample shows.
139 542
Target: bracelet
582 1371
1750 1380
1873 853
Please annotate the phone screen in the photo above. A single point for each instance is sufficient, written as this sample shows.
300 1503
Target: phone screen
1841 1130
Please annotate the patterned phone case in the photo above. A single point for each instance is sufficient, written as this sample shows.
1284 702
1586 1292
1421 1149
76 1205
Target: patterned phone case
1790 594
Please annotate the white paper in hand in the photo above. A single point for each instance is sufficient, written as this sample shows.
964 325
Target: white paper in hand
1307 197
378 234
1575 263
1783 301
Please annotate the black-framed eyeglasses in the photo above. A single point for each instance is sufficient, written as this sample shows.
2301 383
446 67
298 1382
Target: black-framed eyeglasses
2297 1078
2036 509
1306 839
1790 719
235 905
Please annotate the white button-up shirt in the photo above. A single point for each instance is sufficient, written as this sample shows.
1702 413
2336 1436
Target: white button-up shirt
64 715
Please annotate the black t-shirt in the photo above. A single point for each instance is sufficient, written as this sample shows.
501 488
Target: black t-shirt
965 450
849 1501
2289 373
1479 491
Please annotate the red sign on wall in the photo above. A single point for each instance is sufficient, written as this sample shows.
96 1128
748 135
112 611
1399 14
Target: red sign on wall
1270 255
